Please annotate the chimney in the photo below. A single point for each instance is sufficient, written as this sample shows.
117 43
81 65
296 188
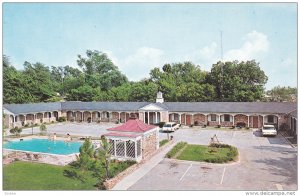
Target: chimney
159 97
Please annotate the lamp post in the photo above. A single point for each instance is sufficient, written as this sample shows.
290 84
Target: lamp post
31 128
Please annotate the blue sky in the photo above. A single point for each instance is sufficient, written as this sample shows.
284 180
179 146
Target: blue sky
141 36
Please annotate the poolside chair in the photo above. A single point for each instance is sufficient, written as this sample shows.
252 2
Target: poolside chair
37 157
29 156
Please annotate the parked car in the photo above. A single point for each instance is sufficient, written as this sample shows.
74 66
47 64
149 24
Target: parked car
170 126
269 130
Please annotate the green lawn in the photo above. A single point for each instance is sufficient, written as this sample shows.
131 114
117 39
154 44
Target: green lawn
34 176
208 154
163 142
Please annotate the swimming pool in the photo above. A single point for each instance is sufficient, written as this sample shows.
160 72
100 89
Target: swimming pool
44 146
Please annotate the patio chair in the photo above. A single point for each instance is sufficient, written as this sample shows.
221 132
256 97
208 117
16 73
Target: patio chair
29 156
37 157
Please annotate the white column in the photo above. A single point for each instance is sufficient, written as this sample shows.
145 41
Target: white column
91 116
82 116
25 119
248 121
180 118
155 117
206 116
192 119
148 118
219 118
125 117
263 120
13 121
233 119
185 119
34 118
144 117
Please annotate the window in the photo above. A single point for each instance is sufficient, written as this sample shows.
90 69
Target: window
213 117
98 114
270 119
226 118
107 114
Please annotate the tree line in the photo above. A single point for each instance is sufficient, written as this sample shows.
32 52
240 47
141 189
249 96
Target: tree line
97 79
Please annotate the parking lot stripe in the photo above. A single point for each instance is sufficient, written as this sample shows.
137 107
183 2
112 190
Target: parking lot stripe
279 187
223 175
293 167
185 172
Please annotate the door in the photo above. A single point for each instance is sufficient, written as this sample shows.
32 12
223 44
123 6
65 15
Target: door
255 121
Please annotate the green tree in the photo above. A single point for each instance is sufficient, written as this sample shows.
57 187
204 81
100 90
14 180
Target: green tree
237 81
174 79
83 93
85 159
100 71
43 128
37 81
282 94
103 156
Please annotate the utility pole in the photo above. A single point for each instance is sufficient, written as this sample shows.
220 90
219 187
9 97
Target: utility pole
221 85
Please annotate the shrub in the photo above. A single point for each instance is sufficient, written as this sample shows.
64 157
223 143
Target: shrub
26 125
204 125
161 124
35 124
284 127
62 119
247 127
233 127
175 149
16 130
52 121
43 127
196 123
231 155
218 126
163 142
241 124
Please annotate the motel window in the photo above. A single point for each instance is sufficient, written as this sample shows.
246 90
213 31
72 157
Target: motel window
107 114
98 114
270 119
213 117
226 118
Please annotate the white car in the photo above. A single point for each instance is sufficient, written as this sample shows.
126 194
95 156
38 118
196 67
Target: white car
268 130
170 126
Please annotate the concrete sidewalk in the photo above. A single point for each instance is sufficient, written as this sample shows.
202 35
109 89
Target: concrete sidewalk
131 179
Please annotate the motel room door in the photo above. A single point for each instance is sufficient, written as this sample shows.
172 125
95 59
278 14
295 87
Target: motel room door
255 121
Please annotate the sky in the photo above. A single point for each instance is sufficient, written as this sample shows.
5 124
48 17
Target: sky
140 36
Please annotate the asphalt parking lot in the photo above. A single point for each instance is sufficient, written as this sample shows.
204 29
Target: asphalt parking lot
265 163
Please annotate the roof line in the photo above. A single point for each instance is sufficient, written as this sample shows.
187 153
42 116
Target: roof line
291 111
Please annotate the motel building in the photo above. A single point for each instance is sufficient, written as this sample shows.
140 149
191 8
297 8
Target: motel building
225 114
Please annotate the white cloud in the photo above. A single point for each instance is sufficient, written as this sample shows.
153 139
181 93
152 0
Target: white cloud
287 62
138 65
204 57
256 43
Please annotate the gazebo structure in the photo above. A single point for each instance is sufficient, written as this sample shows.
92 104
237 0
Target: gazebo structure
133 140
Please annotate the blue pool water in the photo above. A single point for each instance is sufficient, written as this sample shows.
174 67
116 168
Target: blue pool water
44 146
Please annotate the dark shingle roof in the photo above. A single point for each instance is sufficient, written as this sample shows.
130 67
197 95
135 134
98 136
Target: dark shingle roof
231 107
103 106
205 107
33 107
294 114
